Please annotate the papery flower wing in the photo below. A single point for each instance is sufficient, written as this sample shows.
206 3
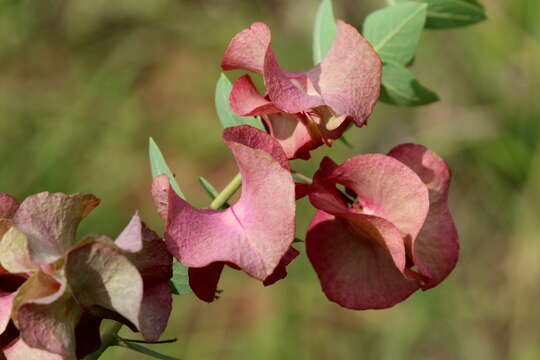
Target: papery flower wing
8 206
386 188
349 77
247 49
46 315
87 336
204 280
280 272
19 350
50 221
6 301
288 93
15 252
154 264
436 249
355 271
255 232
101 277
245 99
293 134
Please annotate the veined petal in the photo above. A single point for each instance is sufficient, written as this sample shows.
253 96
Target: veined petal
288 93
8 206
248 49
255 232
354 271
245 99
292 134
154 264
436 249
386 188
46 315
19 350
101 277
50 222
15 252
349 77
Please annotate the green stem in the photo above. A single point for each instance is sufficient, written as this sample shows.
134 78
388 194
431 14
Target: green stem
107 339
226 193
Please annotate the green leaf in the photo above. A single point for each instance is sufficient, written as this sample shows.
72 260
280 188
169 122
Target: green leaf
226 116
345 142
394 31
179 282
324 31
402 89
159 166
144 350
444 14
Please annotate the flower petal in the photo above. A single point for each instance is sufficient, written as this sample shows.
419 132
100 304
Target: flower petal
355 271
290 94
281 270
21 351
154 264
99 275
386 188
255 232
204 280
46 315
15 253
436 249
247 49
50 221
292 134
6 301
349 78
87 335
8 206
246 101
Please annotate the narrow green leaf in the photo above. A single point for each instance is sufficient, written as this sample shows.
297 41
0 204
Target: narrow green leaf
210 189
159 166
297 240
324 31
394 31
179 282
402 89
226 116
144 350
345 142
444 14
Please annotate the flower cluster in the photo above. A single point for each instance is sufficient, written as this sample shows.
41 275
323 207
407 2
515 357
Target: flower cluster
382 229
55 290
387 234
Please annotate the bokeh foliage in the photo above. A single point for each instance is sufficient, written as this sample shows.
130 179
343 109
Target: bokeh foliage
85 83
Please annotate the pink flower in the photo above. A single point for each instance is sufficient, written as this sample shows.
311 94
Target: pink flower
394 236
305 109
254 234
60 289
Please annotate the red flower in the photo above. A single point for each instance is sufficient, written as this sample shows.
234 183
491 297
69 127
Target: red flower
304 109
364 250
254 234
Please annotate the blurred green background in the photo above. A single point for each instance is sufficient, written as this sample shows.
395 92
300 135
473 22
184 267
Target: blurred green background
83 84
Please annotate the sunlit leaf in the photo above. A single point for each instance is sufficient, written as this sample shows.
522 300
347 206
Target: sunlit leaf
394 31
402 89
324 31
